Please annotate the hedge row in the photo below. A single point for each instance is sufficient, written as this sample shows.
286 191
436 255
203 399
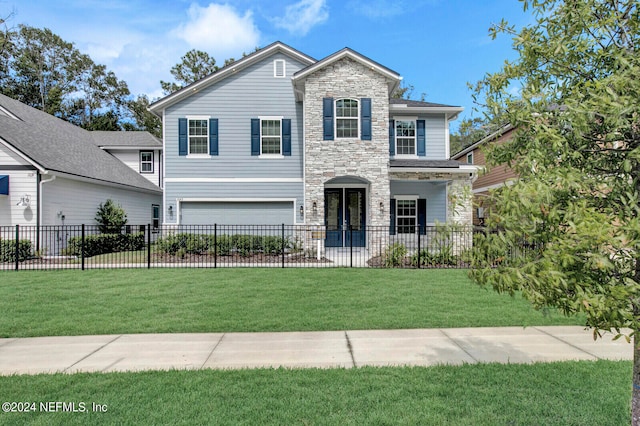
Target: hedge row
8 250
224 245
105 243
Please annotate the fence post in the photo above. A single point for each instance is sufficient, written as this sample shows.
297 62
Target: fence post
17 251
351 246
282 245
419 251
148 246
215 245
82 248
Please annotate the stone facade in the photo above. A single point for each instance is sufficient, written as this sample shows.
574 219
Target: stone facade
346 157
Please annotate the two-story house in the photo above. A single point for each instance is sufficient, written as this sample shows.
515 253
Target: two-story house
279 137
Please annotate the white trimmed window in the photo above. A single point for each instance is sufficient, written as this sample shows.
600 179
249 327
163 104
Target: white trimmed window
470 158
406 215
279 68
270 136
146 161
405 137
347 118
198 134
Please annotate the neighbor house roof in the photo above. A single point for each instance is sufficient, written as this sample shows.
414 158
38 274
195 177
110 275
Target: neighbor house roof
501 131
227 71
131 140
54 145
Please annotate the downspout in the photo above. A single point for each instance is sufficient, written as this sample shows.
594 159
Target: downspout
39 201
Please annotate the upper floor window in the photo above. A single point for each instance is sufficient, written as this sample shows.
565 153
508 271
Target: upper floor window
270 136
470 158
146 161
198 136
405 137
347 118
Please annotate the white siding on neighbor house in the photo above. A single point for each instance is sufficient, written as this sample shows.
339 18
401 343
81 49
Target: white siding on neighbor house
21 182
78 202
131 158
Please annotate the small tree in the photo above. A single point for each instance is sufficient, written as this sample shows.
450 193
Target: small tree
111 217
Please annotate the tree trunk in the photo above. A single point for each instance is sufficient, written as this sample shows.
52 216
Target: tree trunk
635 395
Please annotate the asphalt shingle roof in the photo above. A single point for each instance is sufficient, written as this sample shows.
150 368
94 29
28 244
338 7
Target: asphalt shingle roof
125 139
410 103
57 145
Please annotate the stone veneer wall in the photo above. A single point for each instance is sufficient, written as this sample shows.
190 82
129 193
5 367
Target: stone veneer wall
325 160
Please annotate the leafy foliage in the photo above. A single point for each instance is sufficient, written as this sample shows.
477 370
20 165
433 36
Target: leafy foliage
8 250
223 245
105 243
111 217
194 65
577 151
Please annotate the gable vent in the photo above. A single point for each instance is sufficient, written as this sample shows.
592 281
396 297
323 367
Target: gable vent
279 69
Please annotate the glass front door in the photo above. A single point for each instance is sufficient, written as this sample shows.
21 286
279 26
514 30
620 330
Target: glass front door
345 217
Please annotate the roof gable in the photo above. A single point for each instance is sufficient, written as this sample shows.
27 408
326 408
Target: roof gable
393 77
265 52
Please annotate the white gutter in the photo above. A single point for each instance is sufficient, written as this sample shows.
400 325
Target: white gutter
41 196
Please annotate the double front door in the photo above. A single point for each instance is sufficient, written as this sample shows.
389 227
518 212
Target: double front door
344 210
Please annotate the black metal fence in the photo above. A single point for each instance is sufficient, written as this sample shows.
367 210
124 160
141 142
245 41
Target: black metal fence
217 246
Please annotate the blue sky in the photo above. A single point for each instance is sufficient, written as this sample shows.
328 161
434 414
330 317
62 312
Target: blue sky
436 45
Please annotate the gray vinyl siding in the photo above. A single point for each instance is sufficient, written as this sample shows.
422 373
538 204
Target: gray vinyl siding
234 101
435 133
237 213
434 192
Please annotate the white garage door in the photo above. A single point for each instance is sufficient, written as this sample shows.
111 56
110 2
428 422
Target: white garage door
241 213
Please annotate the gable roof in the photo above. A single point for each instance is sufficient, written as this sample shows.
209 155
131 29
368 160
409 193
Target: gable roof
54 145
393 77
276 47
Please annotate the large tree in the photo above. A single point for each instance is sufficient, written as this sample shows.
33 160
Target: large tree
568 231
141 118
194 65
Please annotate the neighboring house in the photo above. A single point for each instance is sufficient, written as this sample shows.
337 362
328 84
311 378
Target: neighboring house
139 150
494 177
281 138
54 173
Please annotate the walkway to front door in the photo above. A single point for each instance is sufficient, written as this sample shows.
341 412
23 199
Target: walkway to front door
345 217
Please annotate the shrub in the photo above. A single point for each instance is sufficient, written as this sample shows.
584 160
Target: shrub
111 217
105 243
224 245
394 255
8 250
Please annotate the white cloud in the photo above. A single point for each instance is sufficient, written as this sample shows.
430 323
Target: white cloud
376 9
218 28
300 17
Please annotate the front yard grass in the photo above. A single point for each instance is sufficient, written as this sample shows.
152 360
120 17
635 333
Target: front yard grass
52 303
568 393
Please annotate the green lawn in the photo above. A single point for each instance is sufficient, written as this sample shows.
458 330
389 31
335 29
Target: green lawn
570 393
41 303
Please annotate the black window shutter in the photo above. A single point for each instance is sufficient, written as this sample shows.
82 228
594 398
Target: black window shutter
365 120
327 119
392 137
392 217
422 215
182 136
213 136
286 136
255 136
422 151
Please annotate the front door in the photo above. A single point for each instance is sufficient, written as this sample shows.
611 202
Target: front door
345 217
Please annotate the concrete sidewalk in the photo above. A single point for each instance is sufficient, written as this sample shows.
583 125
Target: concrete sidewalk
422 347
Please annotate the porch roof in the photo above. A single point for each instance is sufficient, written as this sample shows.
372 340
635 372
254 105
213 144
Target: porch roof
431 166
